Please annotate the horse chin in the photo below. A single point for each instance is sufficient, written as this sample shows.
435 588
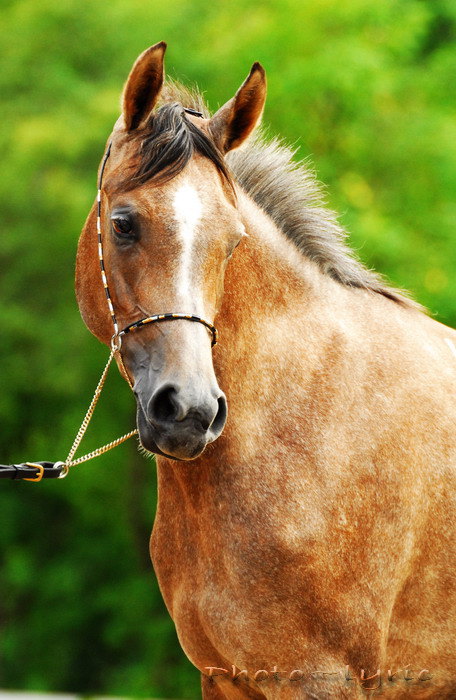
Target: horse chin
182 445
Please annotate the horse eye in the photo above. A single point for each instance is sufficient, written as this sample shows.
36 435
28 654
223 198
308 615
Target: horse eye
122 226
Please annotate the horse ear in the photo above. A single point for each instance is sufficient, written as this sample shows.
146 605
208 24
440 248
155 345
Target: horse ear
236 120
143 86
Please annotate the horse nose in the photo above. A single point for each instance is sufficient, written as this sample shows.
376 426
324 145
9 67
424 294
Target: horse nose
170 405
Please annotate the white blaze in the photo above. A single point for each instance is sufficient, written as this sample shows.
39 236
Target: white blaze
187 214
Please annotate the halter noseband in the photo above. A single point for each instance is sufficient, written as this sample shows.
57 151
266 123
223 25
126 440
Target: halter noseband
116 340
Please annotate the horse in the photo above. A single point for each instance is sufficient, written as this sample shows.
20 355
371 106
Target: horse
304 534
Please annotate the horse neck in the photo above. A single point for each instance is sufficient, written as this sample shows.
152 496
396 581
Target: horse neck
277 303
281 320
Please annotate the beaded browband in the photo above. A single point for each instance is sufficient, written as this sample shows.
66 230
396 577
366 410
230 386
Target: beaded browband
116 340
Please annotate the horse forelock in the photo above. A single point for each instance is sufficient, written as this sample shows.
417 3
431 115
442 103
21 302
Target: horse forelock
165 145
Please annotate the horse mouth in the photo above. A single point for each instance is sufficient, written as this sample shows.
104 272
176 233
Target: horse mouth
183 442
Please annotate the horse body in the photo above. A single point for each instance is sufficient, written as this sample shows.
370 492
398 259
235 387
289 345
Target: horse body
297 543
313 536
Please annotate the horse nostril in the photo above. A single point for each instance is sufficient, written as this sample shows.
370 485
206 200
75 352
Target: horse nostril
204 420
164 405
220 418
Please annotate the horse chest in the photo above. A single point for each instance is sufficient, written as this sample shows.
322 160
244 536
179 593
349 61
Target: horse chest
230 583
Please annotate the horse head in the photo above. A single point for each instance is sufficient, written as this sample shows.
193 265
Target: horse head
168 227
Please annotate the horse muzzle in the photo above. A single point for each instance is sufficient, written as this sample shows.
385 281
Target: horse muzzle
178 422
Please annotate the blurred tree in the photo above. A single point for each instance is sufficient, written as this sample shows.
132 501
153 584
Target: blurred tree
366 87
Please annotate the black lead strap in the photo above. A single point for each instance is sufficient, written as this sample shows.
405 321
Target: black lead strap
31 471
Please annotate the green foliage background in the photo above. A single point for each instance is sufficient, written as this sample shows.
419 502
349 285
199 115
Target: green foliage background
366 87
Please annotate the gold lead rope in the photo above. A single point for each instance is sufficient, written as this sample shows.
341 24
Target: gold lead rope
70 462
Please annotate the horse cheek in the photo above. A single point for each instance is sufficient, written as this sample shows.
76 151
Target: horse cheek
89 289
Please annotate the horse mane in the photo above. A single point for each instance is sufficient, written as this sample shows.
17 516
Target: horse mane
285 189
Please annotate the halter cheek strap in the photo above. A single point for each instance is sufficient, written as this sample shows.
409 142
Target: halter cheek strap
116 340
100 245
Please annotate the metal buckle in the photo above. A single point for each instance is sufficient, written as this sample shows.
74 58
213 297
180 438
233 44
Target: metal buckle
40 471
